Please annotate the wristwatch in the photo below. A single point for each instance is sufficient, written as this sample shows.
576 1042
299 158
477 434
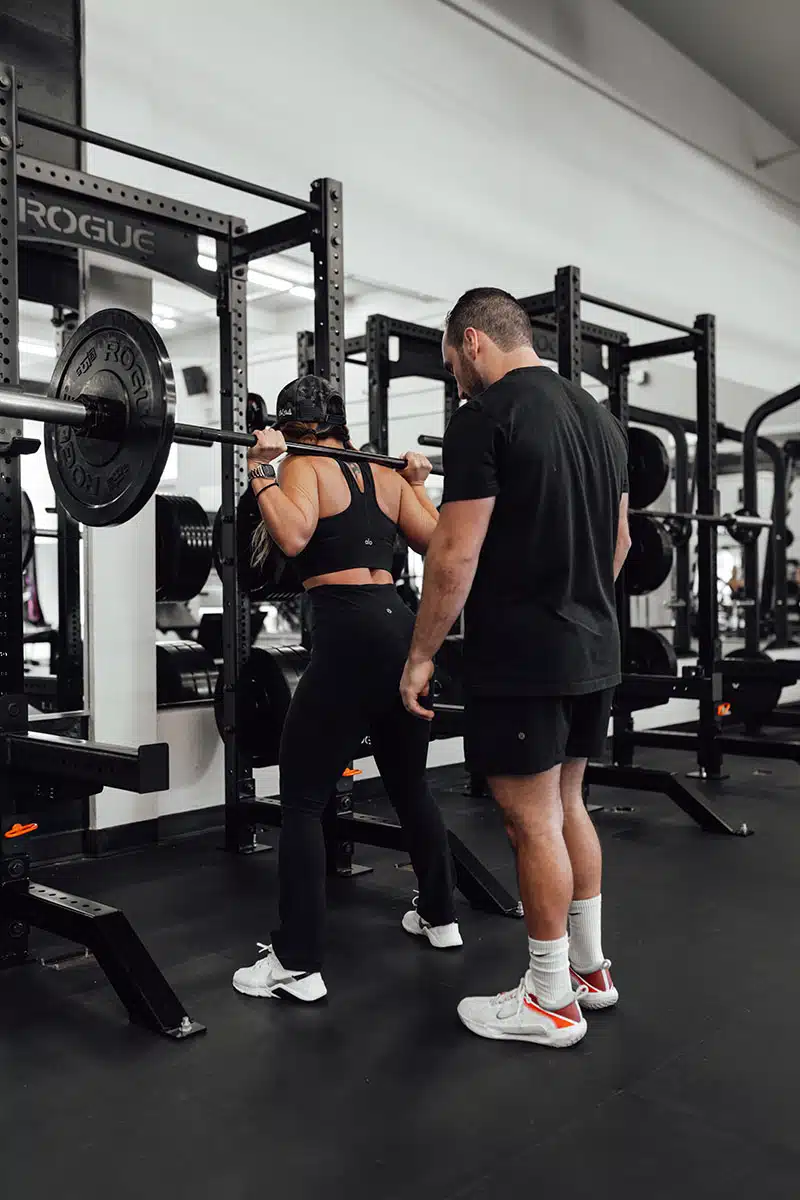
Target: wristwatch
262 471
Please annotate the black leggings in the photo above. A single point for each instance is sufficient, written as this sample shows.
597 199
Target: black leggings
361 636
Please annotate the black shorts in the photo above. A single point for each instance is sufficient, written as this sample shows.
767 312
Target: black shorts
525 735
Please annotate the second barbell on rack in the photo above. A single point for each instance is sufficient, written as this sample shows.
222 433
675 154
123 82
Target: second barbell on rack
109 417
744 527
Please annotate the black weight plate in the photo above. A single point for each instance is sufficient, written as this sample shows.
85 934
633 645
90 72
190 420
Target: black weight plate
185 673
399 556
746 535
750 700
28 526
119 357
267 683
183 548
272 580
648 466
216 542
649 560
256 412
448 687
647 652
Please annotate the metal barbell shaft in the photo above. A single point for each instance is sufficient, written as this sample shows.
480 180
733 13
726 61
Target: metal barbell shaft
197 435
78 412
705 518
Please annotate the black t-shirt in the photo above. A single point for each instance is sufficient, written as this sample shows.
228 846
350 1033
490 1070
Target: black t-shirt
541 616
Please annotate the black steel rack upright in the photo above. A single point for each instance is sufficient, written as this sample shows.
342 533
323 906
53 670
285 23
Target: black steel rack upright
75 209
41 202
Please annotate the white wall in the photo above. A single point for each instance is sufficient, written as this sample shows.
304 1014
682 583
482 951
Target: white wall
464 160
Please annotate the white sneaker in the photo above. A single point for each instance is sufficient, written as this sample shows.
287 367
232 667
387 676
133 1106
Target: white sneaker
596 987
517 1017
442 937
267 977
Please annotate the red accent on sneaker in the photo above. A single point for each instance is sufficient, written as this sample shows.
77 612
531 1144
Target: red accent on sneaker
562 1018
595 981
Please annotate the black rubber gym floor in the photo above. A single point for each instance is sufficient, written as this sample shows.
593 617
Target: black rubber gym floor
689 1089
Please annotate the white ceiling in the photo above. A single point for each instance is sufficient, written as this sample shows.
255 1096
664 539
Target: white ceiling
751 48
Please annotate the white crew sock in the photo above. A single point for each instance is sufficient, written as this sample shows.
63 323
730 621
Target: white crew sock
585 934
548 975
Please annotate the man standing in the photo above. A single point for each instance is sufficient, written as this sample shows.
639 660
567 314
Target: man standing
532 535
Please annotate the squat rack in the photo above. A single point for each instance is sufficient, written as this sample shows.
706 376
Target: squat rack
563 336
41 202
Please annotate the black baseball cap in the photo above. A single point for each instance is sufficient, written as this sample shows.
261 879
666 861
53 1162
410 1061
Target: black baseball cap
310 398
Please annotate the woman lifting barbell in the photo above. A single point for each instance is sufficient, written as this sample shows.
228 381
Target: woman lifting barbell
338 522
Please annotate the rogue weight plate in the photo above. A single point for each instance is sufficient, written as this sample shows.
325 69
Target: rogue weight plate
649 560
648 466
119 358
647 652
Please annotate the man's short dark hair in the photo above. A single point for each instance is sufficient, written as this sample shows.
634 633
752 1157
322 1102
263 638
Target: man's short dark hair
495 313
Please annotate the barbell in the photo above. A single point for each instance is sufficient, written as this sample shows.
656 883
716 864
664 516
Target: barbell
744 527
109 417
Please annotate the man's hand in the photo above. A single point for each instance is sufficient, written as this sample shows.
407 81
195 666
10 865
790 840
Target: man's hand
415 683
270 444
418 469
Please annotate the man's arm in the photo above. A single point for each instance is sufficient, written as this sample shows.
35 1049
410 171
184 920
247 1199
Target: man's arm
450 567
623 537
471 486
449 571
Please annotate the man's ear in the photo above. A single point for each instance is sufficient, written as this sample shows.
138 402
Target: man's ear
471 342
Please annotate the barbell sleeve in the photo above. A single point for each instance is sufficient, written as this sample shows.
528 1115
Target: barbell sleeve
24 406
428 439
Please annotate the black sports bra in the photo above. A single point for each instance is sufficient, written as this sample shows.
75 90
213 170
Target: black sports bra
359 536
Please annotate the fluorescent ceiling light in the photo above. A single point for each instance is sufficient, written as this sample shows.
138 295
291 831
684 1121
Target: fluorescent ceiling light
304 293
39 349
206 262
163 310
164 323
273 282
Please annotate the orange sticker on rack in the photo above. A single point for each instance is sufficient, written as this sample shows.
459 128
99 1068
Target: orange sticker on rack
723 710
349 772
19 830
